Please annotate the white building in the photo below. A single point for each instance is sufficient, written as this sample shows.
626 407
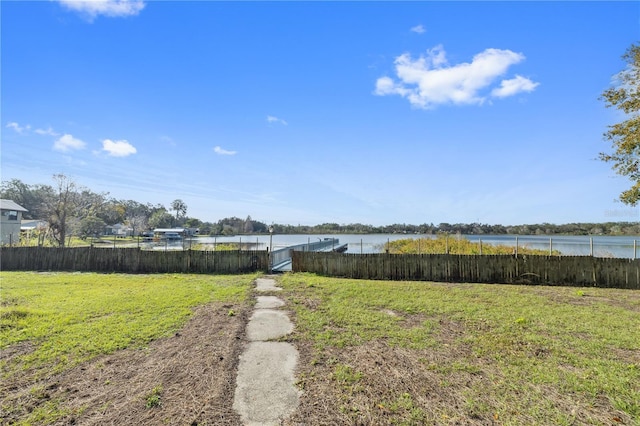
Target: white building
10 221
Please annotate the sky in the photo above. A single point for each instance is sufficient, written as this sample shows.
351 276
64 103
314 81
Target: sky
314 112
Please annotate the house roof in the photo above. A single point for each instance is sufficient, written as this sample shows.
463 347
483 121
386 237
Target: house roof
11 205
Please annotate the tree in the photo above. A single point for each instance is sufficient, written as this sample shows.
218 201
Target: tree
248 225
625 136
60 205
160 219
180 208
91 226
136 215
31 197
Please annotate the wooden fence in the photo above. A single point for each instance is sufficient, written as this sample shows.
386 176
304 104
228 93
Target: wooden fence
131 260
576 271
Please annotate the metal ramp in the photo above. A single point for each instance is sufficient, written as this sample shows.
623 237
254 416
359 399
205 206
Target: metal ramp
281 259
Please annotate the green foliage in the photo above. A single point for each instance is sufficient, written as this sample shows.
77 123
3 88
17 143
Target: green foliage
625 136
160 219
91 226
346 375
154 398
453 245
405 407
531 341
70 318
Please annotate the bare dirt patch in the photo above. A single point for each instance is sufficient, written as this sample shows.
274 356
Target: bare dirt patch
185 379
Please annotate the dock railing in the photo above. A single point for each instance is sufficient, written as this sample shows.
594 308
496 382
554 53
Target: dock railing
281 258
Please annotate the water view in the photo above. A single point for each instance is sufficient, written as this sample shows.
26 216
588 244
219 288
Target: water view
599 246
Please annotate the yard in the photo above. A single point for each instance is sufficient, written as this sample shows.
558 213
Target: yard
163 349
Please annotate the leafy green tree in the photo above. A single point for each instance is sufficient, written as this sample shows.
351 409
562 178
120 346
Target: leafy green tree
91 226
192 222
160 219
625 136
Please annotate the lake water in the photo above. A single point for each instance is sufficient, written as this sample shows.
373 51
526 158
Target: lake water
603 246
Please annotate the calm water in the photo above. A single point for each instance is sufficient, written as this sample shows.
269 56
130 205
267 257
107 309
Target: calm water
603 246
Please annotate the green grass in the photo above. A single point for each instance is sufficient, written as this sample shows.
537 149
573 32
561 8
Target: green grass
527 342
68 318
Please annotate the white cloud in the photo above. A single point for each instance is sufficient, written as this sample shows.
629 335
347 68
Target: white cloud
514 86
418 29
110 8
118 148
168 140
67 143
18 128
45 132
430 81
221 151
272 119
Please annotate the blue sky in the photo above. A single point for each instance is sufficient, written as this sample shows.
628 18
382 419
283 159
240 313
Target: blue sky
312 112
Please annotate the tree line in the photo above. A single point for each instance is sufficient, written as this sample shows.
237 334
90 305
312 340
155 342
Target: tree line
607 228
74 210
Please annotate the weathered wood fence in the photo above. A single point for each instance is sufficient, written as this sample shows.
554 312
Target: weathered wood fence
131 260
576 271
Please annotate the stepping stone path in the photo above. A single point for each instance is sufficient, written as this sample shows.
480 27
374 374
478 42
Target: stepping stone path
265 386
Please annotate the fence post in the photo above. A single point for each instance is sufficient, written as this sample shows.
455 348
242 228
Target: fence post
480 241
361 245
591 246
516 247
446 244
550 247
634 250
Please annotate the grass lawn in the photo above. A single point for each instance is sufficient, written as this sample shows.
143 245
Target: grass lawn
371 352
52 322
380 352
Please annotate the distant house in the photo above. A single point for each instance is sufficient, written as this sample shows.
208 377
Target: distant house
168 233
174 233
119 230
10 221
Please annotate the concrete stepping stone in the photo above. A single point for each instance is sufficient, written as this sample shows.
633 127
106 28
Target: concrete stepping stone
269 302
268 324
265 387
266 284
